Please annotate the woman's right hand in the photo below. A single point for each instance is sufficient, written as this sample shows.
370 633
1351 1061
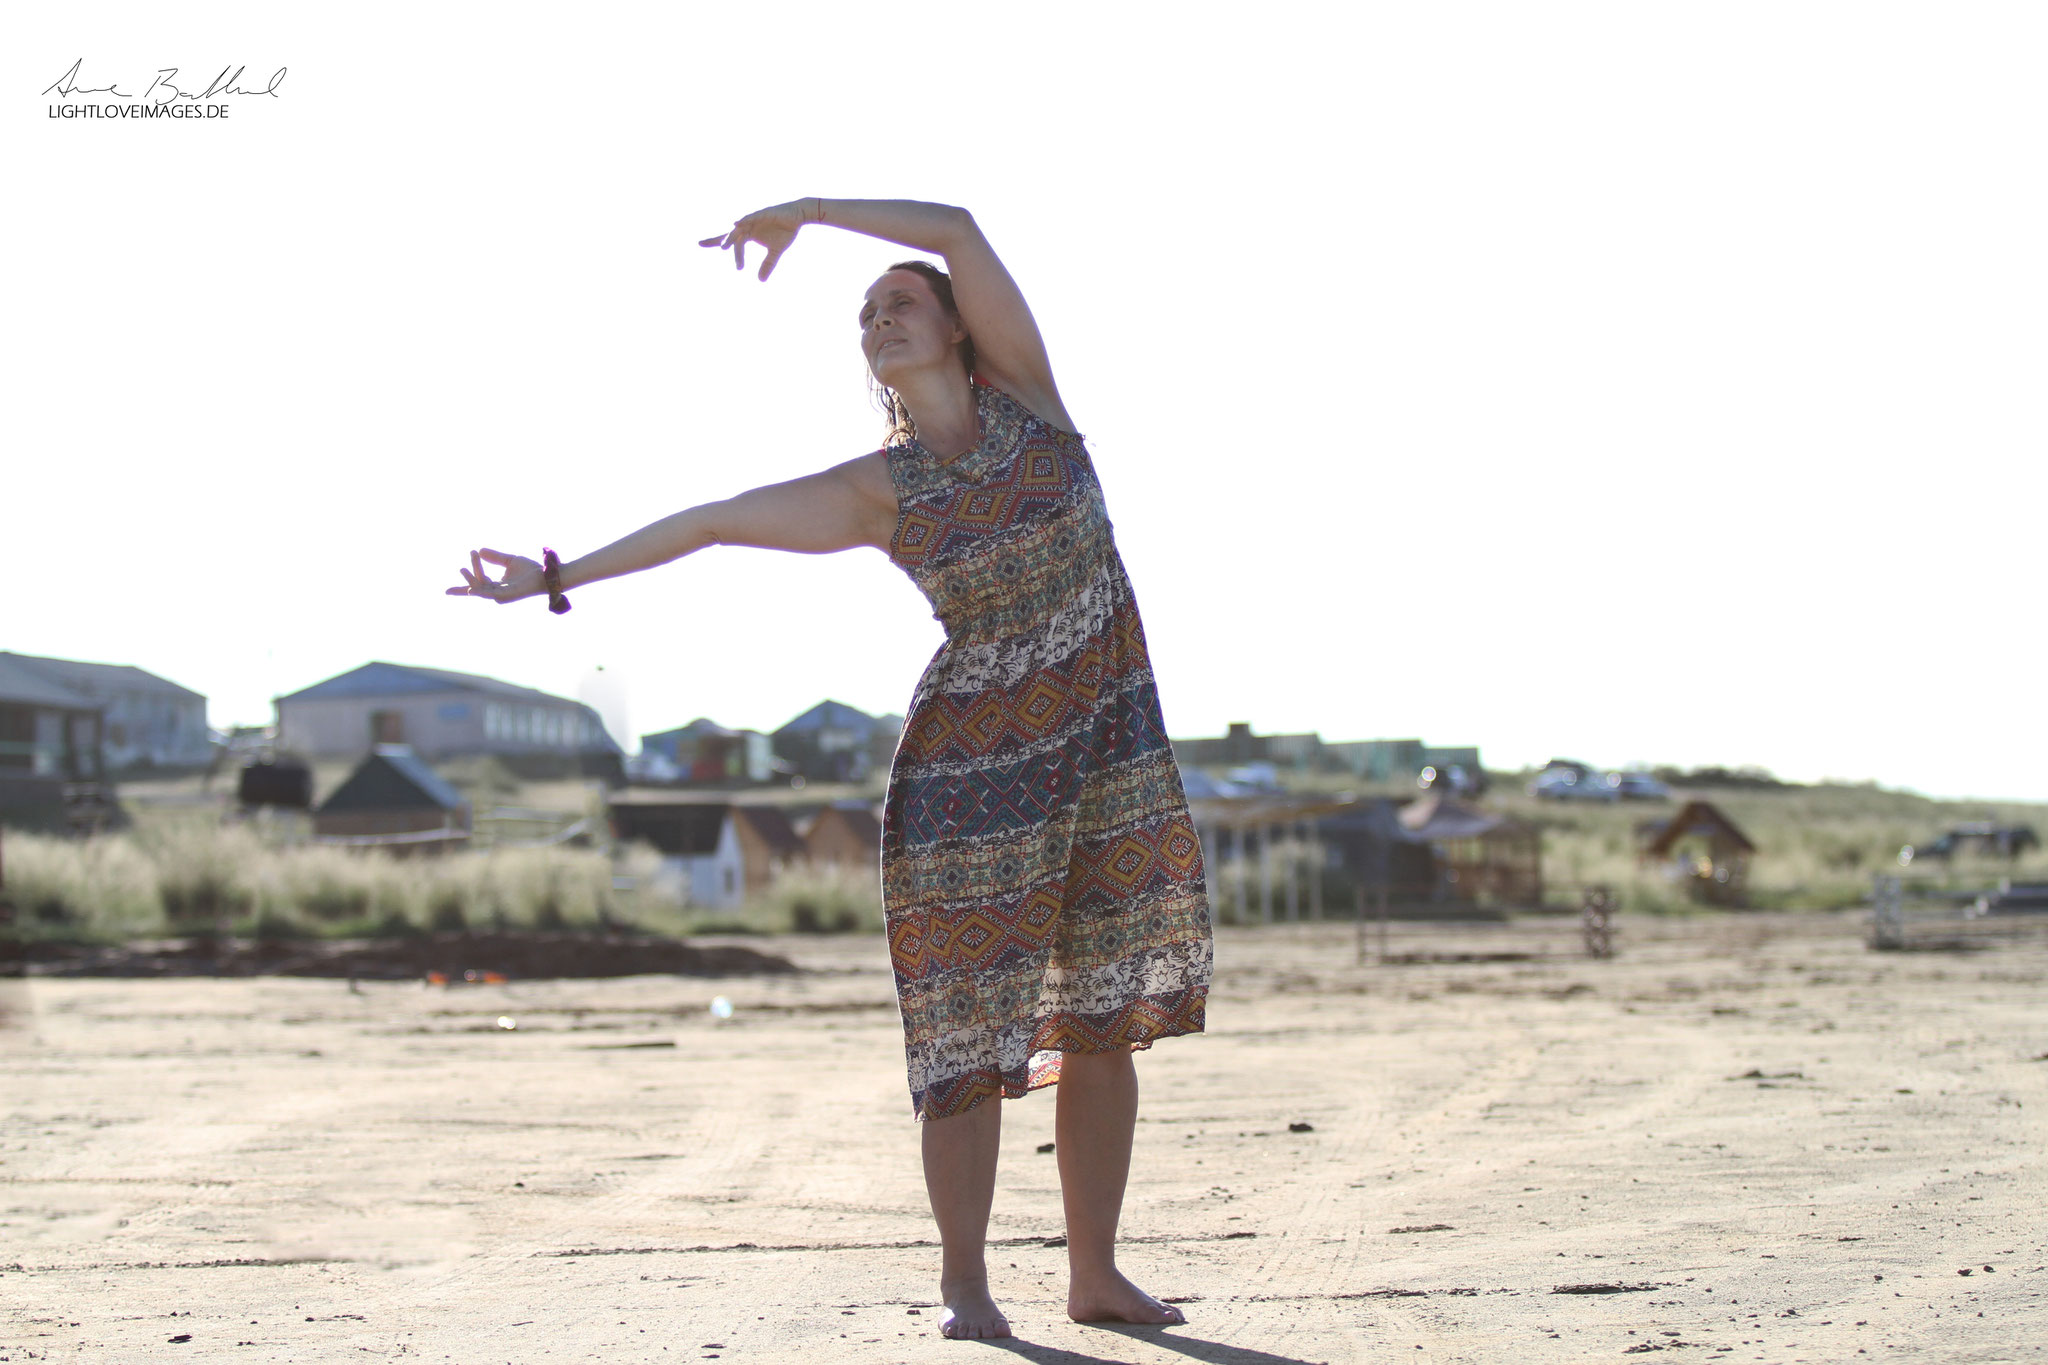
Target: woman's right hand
523 578
774 228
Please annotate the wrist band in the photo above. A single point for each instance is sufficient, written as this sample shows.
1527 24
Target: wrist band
551 574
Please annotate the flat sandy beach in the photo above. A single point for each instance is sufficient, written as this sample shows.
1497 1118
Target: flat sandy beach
1754 1136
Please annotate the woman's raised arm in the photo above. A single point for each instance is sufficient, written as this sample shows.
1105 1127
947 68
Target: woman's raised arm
1008 348
840 508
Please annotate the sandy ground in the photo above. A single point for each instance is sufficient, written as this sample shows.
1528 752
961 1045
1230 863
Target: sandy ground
1769 1141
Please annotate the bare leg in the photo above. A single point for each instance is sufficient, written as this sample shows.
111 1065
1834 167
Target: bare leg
1098 1110
960 1176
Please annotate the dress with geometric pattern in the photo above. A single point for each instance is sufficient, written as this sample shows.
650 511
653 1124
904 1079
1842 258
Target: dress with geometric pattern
1041 876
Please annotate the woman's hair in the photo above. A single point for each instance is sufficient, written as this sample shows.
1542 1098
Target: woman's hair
901 428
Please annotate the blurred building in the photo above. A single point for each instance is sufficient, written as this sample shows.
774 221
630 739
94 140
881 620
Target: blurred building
706 752
834 742
442 714
1241 746
146 722
717 854
50 759
1402 760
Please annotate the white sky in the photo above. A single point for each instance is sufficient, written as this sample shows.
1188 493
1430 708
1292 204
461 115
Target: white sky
1630 381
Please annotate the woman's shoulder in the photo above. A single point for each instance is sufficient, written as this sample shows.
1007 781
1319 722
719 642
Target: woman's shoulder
1045 406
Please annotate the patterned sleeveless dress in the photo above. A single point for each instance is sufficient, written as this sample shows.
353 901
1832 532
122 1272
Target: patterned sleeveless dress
1040 873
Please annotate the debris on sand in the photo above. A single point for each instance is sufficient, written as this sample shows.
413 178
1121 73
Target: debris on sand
1044 1147
1301 1127
1753 1074
443 959
1423 1227
1602 1288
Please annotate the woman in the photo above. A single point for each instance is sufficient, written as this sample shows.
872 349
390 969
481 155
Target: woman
1042 880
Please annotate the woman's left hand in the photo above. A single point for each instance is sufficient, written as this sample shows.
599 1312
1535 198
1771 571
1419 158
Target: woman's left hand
773 228
523 578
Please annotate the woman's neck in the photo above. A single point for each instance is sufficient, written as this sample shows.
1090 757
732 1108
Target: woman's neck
943 410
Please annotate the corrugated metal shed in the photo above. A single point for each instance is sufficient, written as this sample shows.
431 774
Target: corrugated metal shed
99 680
20 685
378 679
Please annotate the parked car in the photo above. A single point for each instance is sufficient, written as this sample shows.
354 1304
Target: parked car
1981 837
1575 784
1637 785
1454 778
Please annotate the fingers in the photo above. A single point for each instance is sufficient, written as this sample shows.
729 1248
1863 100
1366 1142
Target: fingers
773 256
714 241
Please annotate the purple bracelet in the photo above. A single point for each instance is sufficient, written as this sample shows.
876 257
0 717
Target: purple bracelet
551 573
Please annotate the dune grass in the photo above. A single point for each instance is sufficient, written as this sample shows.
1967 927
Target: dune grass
194 878
181 870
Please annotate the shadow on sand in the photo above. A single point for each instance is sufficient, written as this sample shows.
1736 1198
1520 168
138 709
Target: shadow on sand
1171 1339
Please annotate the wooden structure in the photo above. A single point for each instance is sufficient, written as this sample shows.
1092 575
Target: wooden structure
394 801
1479 856
1706 851
846 836
1436 853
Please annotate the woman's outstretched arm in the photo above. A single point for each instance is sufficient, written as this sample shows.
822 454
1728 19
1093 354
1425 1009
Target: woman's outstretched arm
1008 348
846 506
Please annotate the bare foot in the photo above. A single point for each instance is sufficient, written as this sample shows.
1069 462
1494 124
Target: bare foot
1112 1298
970 1313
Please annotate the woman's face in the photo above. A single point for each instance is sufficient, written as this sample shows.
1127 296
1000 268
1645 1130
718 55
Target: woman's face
904 327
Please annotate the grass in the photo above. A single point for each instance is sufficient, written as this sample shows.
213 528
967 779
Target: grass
180 870
245 880
1817 846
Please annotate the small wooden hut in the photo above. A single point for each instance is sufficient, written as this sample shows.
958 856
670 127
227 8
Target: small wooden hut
846 836
394 800
1706 851
1480 856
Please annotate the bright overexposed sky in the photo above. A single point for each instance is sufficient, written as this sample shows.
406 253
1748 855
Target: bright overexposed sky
1630 381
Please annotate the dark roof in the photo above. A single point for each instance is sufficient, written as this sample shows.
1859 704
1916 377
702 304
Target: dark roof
393 777
1699 817
773 826
687 829
379 679
21 685
836 715
98 681
700 728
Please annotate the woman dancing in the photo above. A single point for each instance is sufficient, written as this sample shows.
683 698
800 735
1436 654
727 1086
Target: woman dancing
1041 878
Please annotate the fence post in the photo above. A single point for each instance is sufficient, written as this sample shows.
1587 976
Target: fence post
1887 912
1315 869
1596 921
1266 873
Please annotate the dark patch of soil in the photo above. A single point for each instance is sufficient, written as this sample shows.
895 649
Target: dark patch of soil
519 957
